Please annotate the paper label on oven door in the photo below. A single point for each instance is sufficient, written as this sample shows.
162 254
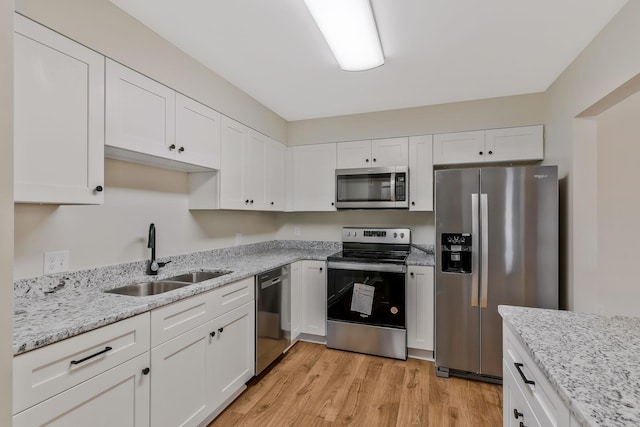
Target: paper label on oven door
362 299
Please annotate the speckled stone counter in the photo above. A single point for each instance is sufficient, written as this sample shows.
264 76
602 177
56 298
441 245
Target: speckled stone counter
592 361
51 308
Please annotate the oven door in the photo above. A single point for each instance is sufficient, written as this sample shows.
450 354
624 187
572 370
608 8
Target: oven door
370 294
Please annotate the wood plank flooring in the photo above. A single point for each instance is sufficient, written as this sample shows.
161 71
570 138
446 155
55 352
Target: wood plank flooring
316 386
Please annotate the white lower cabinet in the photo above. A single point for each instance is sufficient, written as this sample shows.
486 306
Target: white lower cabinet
314 298
528 397
117 397
182 391
296 300
233 355
420 307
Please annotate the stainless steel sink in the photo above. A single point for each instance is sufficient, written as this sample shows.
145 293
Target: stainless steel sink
197 276
145 289
148 288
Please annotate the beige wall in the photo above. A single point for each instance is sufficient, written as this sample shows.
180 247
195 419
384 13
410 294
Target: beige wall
102 26
609 61
459 116
116 232
6 208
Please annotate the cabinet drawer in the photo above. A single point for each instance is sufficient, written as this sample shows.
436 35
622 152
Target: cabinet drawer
229 297
544 401
516 409
43 373
174 319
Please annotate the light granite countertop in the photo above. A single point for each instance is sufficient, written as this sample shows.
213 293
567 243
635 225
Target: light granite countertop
51 308
592 361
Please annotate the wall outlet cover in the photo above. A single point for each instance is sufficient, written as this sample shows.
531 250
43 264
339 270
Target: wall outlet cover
56 262
296 231
238 239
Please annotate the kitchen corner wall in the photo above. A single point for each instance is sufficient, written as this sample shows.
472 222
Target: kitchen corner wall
6 210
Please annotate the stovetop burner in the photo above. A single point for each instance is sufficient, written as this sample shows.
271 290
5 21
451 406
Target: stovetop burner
374 245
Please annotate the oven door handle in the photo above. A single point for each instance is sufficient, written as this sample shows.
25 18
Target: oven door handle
362 266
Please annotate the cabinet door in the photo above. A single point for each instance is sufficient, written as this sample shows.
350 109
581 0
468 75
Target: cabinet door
232 166
233 362
354 154
140 113
197 133
58 118
458 148
420 308
314 281
421 173
255 185
274 176
182 379
513 144
314 180
296 300
390 152
515 408
117 397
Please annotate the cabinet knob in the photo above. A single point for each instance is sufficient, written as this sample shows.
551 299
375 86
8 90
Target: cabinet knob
374 160
490 152
180 150
517 414
271 203
366 160
320 268
212 334
412 274
413 203
251 201
146 371
172 147
220 330
246 202
332 204
99 189
480 153
522 424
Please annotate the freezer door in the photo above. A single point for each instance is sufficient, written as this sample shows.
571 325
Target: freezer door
457 310
519 250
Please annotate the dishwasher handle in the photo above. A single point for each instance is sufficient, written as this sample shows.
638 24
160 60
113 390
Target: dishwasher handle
265 285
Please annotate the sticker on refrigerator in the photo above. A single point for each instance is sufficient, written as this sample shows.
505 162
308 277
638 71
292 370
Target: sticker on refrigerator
362 299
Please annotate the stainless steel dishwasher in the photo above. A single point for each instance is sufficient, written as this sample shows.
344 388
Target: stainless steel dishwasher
273 315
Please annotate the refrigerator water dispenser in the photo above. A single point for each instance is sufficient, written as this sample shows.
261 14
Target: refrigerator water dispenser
456 253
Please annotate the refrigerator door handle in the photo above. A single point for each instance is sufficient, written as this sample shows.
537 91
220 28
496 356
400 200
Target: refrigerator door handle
484 253
474 250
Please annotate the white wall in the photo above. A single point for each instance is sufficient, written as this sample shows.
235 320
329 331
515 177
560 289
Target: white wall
117 232
6 209
458 116
609 61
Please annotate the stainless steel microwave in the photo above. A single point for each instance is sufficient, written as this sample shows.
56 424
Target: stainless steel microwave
372 188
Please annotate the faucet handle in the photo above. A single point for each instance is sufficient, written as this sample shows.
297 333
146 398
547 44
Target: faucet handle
162 264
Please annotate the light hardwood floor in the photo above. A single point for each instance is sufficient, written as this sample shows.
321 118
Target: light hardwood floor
316 386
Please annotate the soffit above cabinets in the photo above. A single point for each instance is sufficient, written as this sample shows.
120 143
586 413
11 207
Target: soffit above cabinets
436 51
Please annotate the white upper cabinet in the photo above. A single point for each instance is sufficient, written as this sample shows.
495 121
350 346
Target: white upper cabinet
523 143
313 177
510 144
421 173
58 118
232 167
373 153
255 170
140 113
197 133
458 147
275 175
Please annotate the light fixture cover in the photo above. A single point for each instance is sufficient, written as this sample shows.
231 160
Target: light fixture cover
350 30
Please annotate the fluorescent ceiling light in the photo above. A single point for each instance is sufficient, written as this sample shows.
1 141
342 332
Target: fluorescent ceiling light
350 30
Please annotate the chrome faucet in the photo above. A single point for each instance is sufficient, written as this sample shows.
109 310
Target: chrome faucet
154 265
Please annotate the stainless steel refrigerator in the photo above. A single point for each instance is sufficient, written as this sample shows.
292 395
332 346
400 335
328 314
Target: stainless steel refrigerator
496 243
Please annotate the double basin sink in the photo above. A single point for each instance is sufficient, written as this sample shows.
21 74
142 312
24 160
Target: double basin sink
144 289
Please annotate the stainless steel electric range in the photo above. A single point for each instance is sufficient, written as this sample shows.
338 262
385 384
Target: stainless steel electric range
366 307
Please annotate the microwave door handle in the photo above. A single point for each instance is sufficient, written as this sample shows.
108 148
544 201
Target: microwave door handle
393 187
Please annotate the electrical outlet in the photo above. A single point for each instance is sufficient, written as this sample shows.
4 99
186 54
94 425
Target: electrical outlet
296 231
56 262
238 239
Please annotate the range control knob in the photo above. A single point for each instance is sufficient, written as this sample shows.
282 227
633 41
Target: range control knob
395 235
402 235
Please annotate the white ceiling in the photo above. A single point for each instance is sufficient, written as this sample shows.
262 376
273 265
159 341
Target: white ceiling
437 51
